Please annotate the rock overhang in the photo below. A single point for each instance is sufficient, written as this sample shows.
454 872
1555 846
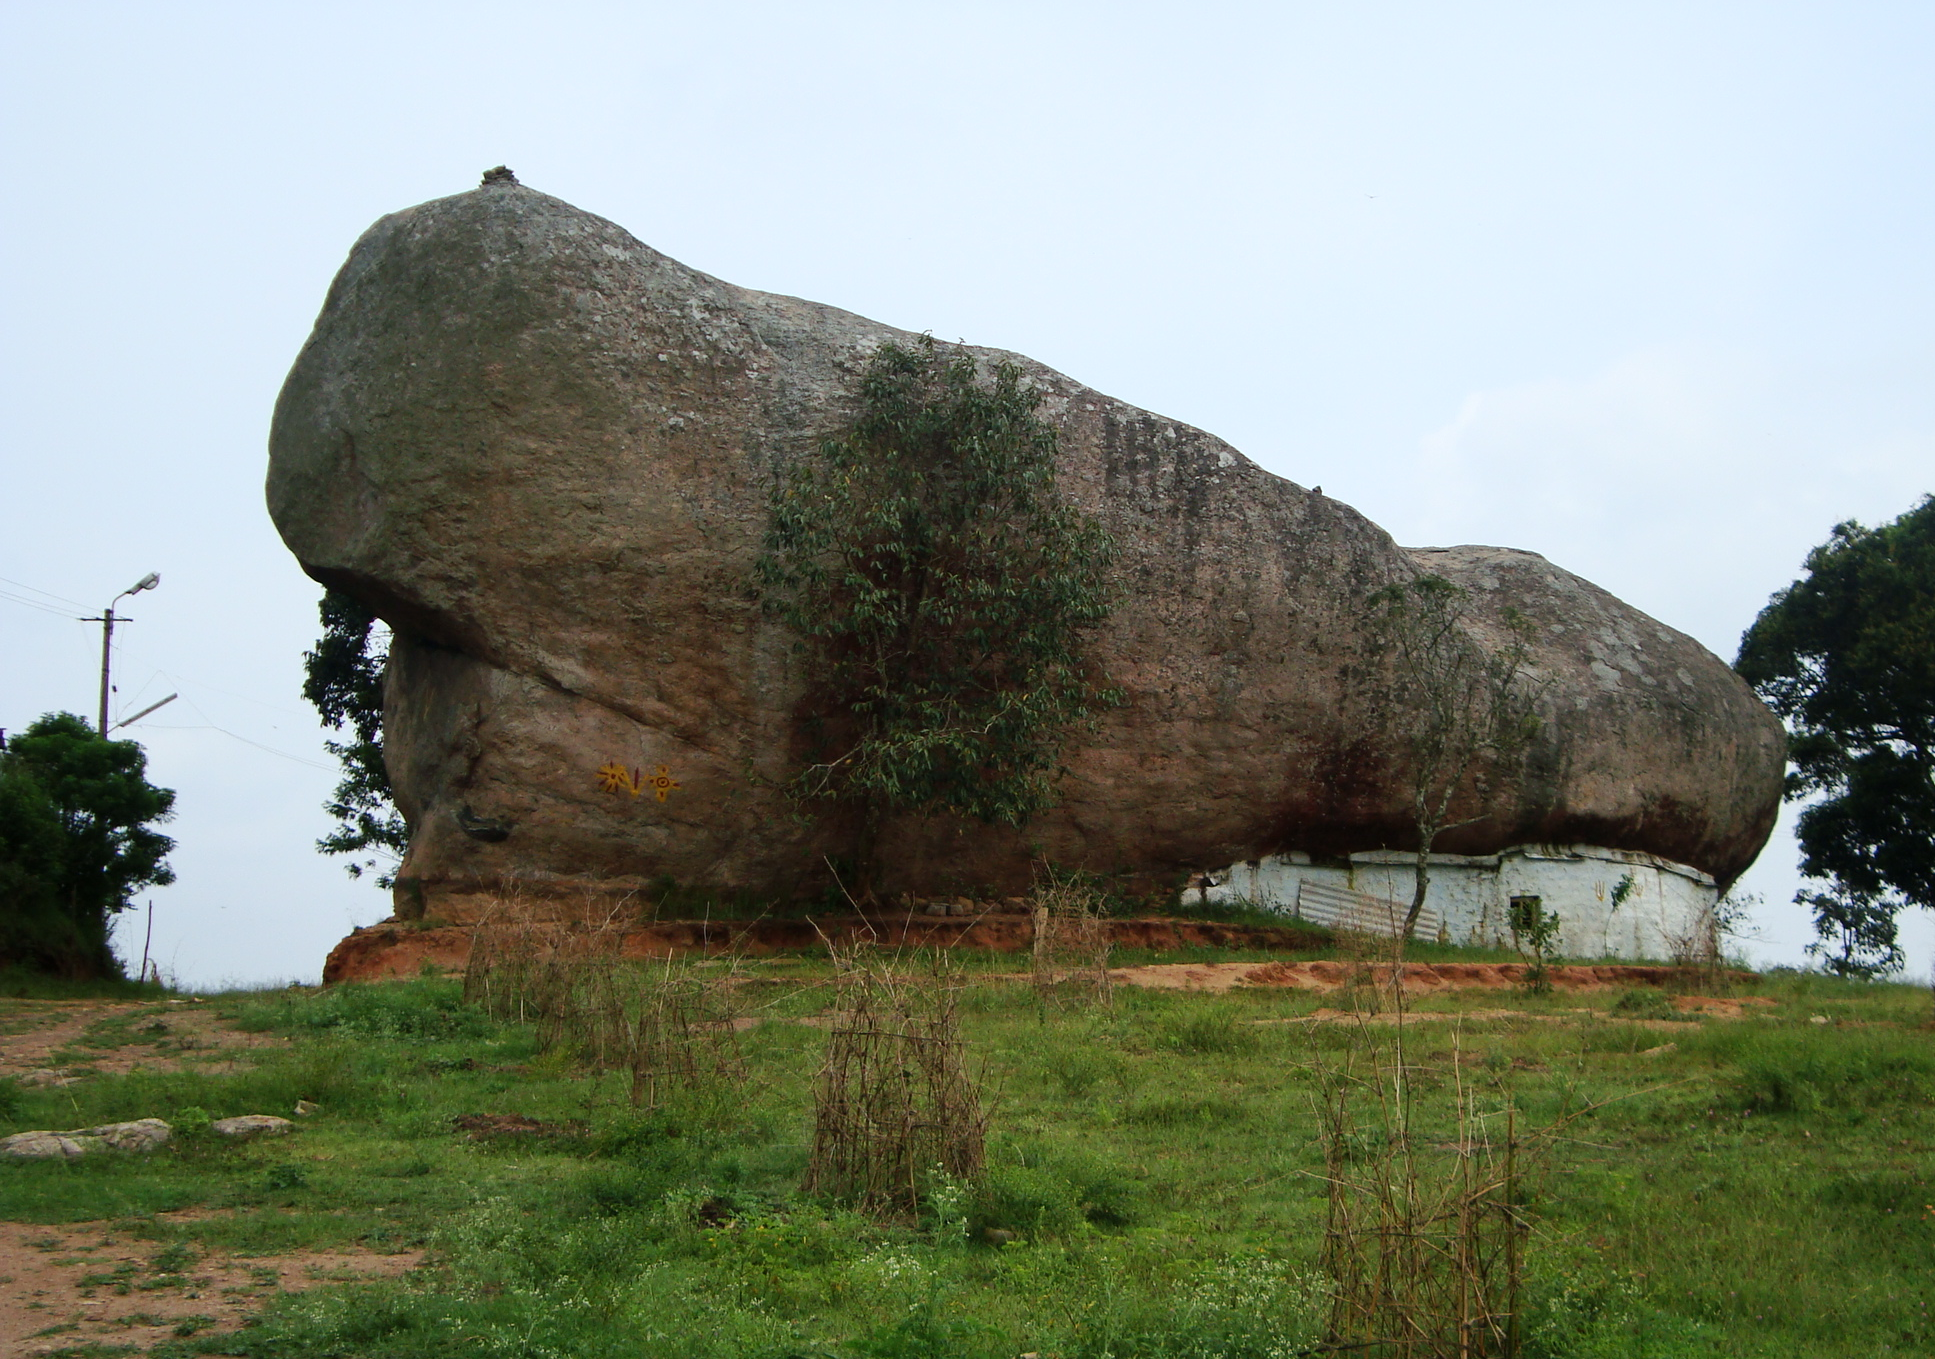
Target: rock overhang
543 452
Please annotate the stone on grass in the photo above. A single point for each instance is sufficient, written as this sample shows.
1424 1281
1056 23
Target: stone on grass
251 1125
143 1134
45 1077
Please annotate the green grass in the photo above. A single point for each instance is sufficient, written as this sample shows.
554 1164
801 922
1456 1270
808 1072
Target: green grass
21 984
1760 1188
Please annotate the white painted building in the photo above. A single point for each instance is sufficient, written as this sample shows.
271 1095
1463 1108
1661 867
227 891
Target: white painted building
1611 903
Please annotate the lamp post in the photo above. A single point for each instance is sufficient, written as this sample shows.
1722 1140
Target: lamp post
147 582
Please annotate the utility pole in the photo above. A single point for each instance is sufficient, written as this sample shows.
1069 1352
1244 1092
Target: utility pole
106 620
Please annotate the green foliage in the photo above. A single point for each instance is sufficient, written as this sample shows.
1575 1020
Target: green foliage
1645 1002
1203 1029
941 587
76 843
1534 929
1465 708
1194 1234
1855 933
1846 655
343 677
20 983
1788 1071
1582 1312
421 1010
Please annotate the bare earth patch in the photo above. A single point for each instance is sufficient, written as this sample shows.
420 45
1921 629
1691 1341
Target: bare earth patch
44 1039
1419 978
91 1283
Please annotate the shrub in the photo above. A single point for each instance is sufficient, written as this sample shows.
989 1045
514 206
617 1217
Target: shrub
1645 1002
1209 1029
1825 1071
423 1010
1024 1198
894 1102
1079 1068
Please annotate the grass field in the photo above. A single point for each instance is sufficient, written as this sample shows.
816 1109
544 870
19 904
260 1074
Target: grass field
1741 1187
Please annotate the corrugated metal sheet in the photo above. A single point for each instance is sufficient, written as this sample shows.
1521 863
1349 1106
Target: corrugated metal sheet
1342 909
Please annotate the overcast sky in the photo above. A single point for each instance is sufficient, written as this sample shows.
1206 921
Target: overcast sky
1647 288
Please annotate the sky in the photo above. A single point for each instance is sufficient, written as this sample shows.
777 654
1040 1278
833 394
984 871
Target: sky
1643 287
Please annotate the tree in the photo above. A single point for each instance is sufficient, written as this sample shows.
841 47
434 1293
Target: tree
1857 934
343 677
75 844
1846 657
942 589
1464 704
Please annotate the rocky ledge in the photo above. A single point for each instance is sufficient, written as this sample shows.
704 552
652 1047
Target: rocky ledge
544 451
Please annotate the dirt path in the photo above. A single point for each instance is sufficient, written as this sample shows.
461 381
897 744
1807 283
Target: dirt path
92 1284
95 1284
1419 978
48 1041
1688 1006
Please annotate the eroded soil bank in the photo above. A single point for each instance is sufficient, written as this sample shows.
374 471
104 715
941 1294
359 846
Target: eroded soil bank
399 949
1326 975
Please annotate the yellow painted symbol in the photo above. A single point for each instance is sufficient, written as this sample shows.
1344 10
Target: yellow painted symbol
613 777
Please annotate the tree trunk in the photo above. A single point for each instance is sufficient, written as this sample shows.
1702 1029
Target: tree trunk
1423 885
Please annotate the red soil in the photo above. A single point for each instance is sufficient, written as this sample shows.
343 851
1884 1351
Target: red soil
396 949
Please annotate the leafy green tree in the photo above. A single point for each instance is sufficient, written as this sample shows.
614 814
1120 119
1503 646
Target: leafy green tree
75 844
1846 656
1466 706
343 677
1857 934
942 588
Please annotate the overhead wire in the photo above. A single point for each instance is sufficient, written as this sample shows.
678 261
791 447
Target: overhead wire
122 651
209 724
36 590
233 736
13 598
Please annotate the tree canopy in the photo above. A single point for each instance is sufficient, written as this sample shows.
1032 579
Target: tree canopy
343 677
1466 706
1846 656
942 588
76 843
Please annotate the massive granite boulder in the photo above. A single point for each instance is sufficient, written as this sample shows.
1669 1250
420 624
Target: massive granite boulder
543 452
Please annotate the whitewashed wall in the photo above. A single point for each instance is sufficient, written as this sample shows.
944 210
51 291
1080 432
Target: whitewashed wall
1666 905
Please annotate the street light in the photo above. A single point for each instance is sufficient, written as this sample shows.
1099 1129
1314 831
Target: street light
106 620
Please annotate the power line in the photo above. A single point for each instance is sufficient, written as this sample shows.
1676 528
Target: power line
12 598
267 750
36 590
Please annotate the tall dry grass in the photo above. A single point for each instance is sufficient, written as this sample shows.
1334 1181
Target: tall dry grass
895 1105
1424 1243
671 1023
1072 942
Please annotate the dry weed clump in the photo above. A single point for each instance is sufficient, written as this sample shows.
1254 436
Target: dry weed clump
1699 948
1072 941
1423 1245
894 1104
671 1024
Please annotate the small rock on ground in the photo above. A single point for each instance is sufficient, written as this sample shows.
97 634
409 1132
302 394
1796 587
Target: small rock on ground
249 1125
45 1077
143 1134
